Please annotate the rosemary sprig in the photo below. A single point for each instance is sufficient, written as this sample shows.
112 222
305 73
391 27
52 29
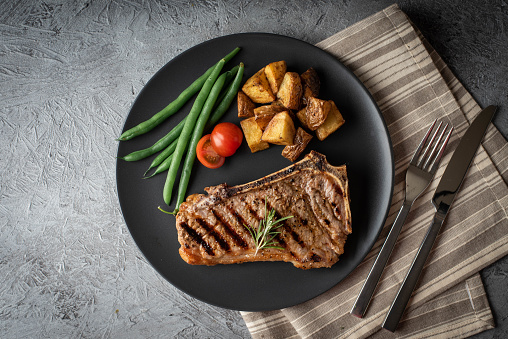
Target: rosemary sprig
267 230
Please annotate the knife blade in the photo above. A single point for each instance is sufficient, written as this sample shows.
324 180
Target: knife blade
444 195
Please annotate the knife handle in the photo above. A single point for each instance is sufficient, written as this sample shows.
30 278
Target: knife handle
363 299
406 289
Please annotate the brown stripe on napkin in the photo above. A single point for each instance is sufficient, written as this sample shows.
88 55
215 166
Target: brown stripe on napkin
413 86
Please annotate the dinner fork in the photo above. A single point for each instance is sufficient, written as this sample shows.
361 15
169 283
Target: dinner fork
419 174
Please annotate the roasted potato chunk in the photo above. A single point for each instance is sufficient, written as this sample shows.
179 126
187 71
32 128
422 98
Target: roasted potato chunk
316 112
290 91
245 105
258 89
264 114
333 121
302 138
275 73
311 84
283 108
278 103
302 117
253 135
280 130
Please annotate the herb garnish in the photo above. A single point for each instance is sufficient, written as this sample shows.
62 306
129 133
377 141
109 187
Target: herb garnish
267 230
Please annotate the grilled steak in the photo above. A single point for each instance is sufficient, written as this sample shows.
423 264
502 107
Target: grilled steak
212 228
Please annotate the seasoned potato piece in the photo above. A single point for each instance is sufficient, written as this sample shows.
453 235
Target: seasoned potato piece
258 89
245 105
302 138
253 135
283 108
275 73
280 130
290 91
311 84
333 121
278 103
264 114
316 112
302 117
264 119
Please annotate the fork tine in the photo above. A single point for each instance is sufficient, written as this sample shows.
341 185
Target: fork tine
441 151
416 156
430 143
438 141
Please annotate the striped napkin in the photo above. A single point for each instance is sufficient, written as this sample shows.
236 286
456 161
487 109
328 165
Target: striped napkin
412 87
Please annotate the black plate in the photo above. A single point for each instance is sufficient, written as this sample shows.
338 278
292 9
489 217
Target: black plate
363 144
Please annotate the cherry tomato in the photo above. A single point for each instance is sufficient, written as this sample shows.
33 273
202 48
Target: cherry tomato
207 155
226 138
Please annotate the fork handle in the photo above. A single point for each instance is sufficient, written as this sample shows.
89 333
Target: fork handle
406 289
363 299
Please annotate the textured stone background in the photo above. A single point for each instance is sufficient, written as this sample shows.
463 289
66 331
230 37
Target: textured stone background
70 70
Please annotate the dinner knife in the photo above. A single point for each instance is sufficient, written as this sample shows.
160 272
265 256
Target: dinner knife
443 198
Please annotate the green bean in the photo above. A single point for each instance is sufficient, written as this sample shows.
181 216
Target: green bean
230 75
163 166
230 95
159 145
200 126
159 159
227 85
222 94
175 105
190 121
197 133
163 155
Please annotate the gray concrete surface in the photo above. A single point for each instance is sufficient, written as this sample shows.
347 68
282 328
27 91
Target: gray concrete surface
69 72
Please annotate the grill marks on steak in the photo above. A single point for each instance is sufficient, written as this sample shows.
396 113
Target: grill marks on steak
211 228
